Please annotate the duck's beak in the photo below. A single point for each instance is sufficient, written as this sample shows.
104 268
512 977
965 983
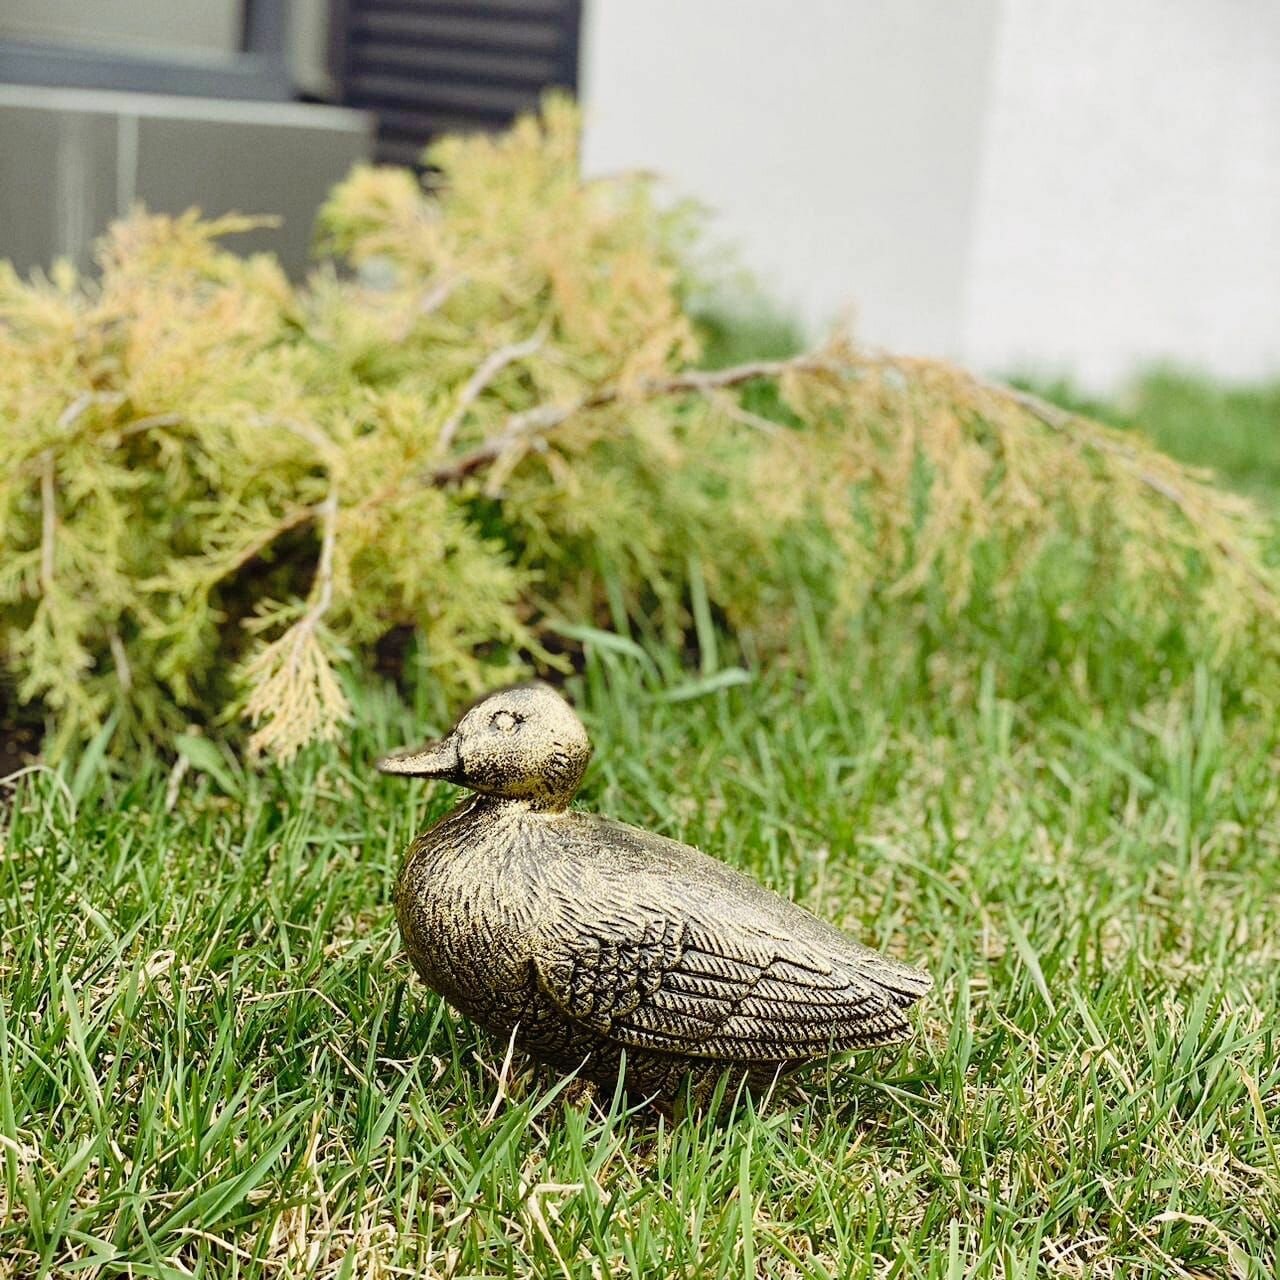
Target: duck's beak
435 760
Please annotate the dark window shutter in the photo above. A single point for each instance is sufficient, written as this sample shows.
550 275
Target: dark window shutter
425 67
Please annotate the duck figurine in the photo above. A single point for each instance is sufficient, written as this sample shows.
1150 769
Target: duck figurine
602 948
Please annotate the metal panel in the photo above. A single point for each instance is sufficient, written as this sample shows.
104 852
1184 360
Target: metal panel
58 185
254 168
72 159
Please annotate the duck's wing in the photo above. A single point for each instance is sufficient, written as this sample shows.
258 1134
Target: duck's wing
658 947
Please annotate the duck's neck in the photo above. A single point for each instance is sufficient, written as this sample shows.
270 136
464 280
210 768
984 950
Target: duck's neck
543 805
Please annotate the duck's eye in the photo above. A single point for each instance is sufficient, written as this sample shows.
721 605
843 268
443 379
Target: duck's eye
504 720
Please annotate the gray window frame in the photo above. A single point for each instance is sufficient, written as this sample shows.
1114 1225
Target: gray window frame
259 71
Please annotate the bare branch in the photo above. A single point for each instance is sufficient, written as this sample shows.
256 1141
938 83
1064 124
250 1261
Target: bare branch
296 517
432 299
173 787
531 424
435 297
732 409
322 588
124 672
48 521
150 423
488 369
307 431
735 375
85 401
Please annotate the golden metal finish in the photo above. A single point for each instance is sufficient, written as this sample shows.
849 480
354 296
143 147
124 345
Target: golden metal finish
597 943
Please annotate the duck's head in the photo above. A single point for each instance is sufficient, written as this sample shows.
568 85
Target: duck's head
523 743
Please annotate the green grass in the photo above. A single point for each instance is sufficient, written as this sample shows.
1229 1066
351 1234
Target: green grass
214 1060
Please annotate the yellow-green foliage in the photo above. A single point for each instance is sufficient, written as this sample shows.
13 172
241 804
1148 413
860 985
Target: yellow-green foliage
216 489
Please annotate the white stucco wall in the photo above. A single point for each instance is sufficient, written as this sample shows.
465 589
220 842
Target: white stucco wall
1079 188
837 141
1129 206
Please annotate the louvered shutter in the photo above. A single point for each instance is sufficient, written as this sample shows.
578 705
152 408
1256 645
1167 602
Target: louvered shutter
425 67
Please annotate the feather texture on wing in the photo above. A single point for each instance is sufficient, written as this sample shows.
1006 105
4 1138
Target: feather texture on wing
706 962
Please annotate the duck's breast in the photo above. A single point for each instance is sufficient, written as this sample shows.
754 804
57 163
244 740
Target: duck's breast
467 900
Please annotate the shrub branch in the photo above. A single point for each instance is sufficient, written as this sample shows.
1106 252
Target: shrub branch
488 369
1079 429
294 696
48 521
327 512
533 424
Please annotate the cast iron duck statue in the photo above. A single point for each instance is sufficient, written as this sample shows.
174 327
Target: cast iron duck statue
610 950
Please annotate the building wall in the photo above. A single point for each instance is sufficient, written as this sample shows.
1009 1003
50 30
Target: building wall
837 141
1130 197
1015 183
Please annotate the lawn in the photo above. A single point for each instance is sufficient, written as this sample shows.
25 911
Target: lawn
215 1061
